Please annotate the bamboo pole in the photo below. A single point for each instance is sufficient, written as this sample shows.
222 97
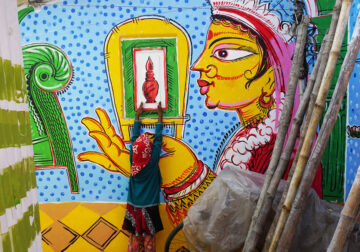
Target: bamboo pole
259 217
286 153
314 121
291 141
323 58
304 71
297 122
301 87
324 134
312 87
348 217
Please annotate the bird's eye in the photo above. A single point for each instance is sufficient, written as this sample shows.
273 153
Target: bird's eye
231 54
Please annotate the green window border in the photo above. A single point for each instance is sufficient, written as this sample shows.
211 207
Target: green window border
127 48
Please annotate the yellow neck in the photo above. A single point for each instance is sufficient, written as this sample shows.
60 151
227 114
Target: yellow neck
253 114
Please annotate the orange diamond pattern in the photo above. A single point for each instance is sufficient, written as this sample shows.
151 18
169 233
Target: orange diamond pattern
90 227
59 236
101 233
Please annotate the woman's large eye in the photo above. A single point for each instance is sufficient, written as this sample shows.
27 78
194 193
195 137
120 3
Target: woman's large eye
231 54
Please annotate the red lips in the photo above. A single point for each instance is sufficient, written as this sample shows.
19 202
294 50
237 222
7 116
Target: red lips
204 86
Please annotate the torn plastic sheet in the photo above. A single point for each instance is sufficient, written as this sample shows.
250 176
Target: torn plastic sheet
220 218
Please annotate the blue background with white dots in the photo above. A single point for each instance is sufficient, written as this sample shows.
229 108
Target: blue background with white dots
353 144
79 28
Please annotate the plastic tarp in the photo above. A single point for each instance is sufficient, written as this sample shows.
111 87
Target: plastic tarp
220 218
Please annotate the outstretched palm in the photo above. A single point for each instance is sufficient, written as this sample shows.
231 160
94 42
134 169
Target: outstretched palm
175 165
114 156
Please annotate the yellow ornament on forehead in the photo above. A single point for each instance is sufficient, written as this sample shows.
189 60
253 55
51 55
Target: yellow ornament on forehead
238 27
254 10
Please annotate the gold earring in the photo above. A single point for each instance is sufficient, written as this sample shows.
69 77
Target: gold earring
266 101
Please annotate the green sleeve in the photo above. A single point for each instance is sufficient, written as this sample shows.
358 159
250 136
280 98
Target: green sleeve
136 131
136 134
156 149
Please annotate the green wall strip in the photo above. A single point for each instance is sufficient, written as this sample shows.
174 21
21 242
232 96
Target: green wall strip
12 81
6 242
9 129
21 178
22 232
17 181
325 6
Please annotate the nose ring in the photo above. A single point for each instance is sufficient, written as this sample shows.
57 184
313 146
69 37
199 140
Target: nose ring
212 71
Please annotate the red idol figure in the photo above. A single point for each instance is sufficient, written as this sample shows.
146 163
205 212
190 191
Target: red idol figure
150 86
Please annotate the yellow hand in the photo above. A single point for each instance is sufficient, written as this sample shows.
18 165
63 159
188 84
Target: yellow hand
176 166
114 156
179 162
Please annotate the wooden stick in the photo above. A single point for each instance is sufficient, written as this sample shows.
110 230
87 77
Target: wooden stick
304 71
297 122
348 217
259 217
322 59
301 87
324 134
286 154
315 119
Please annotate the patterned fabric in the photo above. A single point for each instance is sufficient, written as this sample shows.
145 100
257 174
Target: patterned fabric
141 153
142 221
139 243
149 243
136 243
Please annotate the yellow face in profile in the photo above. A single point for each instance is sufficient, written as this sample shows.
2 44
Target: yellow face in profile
230 59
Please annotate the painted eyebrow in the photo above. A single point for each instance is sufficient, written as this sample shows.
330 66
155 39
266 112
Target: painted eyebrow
216 40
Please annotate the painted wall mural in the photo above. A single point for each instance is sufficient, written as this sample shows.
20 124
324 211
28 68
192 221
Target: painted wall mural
221 83
353 115
353 131
48 72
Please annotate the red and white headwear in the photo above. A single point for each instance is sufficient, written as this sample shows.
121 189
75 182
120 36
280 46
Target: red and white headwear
250 12
267 24
141 153
272 14
271 23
